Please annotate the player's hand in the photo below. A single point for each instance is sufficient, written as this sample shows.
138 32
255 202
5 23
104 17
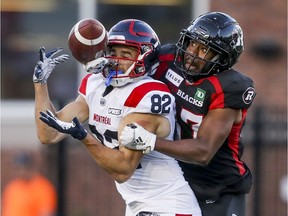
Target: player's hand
46 64
135 137
98 65
74 128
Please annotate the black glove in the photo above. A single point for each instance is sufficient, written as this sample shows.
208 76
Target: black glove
75 129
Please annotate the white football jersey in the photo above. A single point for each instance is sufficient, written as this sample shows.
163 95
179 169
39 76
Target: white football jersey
158 184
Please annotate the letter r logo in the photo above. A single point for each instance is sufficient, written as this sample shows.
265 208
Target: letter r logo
249 95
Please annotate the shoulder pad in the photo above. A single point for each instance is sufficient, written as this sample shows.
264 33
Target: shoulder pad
236 89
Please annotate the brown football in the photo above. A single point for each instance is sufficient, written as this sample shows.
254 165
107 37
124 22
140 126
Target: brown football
87 40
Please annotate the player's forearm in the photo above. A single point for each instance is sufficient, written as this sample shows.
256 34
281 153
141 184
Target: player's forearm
186 150
112 161
46 134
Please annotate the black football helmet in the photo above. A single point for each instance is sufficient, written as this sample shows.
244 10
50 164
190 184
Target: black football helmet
220 33
138 34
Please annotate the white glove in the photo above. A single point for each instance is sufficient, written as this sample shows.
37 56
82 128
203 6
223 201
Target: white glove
98 65
46 64
135 137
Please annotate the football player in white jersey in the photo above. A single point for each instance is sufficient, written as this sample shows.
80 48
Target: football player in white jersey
150 184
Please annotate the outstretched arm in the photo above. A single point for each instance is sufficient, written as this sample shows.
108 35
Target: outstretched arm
42 71
120 164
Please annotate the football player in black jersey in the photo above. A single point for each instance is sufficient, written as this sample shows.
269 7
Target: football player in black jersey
212 100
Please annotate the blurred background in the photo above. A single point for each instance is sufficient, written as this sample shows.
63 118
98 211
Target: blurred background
83 189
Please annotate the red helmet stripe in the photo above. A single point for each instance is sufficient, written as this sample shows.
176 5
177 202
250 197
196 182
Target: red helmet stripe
131 30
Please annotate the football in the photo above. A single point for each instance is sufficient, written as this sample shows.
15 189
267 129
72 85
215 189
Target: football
87 40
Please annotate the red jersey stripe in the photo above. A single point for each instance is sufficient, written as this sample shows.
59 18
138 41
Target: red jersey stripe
83 86
217 98
163 67
140 91
233 139
168 57
233 142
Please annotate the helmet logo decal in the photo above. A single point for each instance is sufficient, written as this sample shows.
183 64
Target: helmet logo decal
202 32
131 30
237 40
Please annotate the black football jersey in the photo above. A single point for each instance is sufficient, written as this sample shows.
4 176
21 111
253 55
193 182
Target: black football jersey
228 89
